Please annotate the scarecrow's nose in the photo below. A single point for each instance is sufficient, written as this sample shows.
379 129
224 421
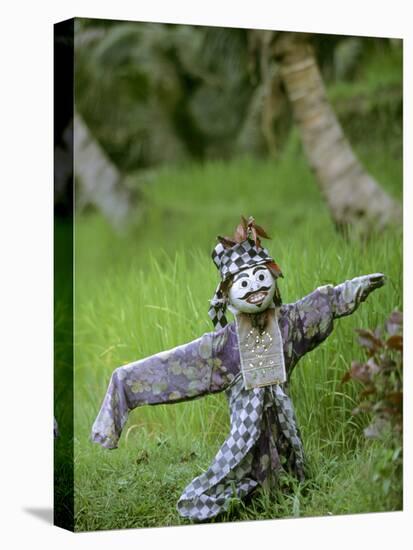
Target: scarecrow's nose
255 285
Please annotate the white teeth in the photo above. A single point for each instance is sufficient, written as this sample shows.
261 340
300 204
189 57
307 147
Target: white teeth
255 298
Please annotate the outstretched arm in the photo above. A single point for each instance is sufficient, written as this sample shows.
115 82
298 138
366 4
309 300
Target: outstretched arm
349 295
311 318
179 374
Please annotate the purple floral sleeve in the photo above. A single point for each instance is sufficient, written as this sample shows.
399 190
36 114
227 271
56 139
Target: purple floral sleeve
179 374
311 319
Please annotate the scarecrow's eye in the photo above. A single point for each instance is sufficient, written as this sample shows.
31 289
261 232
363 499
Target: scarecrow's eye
261 277
244 284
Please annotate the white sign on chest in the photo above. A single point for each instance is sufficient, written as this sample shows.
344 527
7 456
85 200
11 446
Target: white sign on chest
261 351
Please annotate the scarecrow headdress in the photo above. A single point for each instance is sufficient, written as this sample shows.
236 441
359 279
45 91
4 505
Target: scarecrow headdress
232 255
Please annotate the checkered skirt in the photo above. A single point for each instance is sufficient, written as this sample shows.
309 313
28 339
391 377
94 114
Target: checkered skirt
231 473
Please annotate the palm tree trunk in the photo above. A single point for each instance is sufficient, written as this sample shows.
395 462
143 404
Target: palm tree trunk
352 194
100 181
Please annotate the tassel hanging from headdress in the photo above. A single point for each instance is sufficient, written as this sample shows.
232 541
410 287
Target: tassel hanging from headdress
218 308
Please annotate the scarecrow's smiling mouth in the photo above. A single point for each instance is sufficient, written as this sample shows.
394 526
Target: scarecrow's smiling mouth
257 297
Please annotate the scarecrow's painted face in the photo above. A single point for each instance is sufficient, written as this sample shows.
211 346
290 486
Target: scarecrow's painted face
252 290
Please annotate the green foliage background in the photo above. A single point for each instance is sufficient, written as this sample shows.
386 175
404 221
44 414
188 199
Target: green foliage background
155 94
147 290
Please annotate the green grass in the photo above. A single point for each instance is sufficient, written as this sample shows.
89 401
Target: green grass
148 290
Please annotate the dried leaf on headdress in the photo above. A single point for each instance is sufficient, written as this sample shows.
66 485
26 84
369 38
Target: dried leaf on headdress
255 231
241 231
275 268
261 232
226 241
244 230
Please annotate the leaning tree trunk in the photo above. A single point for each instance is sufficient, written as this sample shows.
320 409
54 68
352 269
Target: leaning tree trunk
353 196
100 181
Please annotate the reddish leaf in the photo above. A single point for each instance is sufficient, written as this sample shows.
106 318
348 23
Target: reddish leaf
346 377
240 233
247 228
275 268
381 376
360 372
395 342
261 232
368 340
395 397
363 372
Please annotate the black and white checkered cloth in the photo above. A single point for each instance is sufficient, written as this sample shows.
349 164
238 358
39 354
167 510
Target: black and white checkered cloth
230 261
240 256
227 477
288 424
217 309
230 474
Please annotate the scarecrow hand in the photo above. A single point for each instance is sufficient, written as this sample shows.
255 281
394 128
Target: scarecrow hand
376 280
350 294
368 283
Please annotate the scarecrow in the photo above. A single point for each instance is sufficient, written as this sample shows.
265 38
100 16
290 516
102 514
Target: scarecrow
251 358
